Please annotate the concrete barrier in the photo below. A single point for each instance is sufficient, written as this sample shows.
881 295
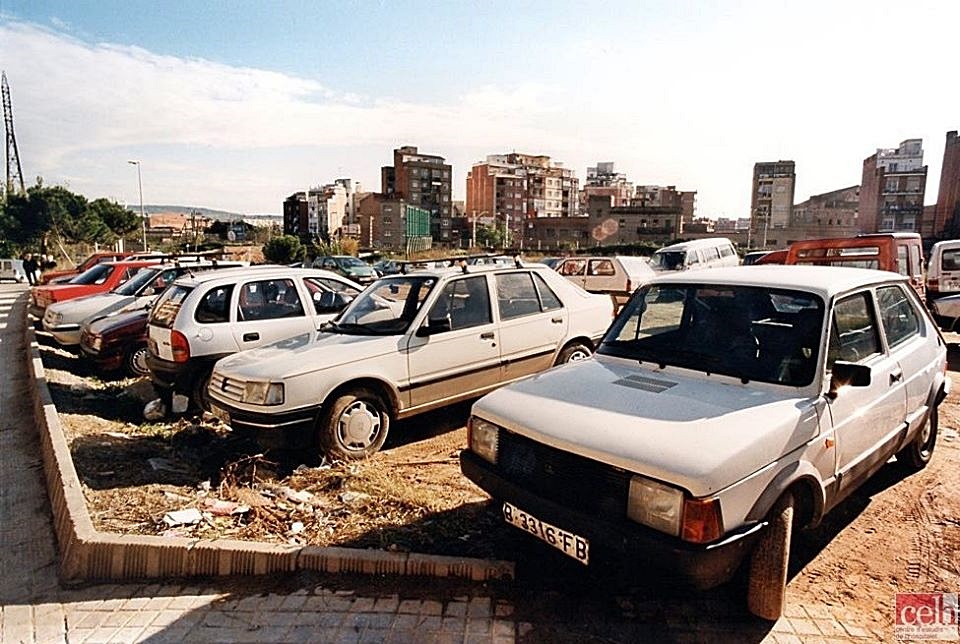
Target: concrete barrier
89 555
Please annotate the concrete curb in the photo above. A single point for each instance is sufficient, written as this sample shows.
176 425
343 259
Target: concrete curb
88 555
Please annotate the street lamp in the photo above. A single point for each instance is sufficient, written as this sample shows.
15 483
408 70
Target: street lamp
143 218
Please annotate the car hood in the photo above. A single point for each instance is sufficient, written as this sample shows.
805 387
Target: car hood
306 353
121 321
702 433
76 310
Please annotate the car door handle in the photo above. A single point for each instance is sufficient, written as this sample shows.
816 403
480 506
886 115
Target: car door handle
251 337
557 320
487 336
896 376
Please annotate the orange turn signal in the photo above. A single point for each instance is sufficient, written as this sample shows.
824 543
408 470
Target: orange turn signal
701 521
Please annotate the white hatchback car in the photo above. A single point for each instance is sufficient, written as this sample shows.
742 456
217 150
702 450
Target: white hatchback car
202 318
721 409
409 343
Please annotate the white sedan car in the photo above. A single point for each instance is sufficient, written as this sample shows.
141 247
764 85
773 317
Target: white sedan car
408 344
722 409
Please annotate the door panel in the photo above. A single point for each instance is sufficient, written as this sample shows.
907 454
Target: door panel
529 334
267 311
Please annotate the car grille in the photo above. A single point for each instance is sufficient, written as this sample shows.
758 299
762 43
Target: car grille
230 388
579 483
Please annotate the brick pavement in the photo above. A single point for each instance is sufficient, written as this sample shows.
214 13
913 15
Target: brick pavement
316 608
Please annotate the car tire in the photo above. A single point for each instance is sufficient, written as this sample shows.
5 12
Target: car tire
574 352
767 582
135 362
198 394
915 456
354 426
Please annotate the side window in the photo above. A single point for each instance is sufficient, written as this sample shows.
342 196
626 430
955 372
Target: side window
710 254
516 295
603 267
214 306
900 321
726 251
853 330
466 301
573 267
950 260
269 300
916 264
329 264
548 299
903 267
692 258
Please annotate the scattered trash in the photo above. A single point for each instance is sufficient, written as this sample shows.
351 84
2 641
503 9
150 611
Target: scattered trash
166 465
154 410
352 498
296 527
117 435
223 508
189 516
180 403
204 486
296 496
950 435
173 496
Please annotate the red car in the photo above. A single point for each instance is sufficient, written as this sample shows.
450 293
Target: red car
117 341
65 275
100 278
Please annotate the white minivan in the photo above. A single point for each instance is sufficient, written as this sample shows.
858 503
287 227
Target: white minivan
711 252
12 269
943 271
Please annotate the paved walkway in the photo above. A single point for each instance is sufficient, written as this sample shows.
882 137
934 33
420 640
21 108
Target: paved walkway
312 607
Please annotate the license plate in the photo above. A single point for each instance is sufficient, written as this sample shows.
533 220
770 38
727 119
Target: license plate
566 542
220 413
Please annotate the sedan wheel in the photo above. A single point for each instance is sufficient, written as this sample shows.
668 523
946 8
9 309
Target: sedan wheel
136 362
355 425
918 453
574 353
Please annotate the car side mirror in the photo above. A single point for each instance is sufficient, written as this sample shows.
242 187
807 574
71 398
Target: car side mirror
330 302
434 326
848 374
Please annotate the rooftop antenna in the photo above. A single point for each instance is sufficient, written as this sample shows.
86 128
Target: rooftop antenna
14 171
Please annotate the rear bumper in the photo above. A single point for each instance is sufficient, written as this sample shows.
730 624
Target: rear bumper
700 566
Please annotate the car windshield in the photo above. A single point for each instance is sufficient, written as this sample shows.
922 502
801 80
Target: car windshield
753 333
94 275
671 260
351 262
387 307
135 284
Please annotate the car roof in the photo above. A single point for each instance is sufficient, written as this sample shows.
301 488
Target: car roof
471 269
264 271
697 243
826 281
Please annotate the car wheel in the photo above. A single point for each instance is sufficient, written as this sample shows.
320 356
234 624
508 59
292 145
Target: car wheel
198 395
917 454
135 362
574 352
767 584
354 426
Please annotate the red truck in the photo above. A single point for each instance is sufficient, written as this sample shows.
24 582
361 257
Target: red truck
99 278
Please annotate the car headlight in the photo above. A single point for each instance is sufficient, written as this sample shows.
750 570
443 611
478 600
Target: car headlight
655 505
483 438
96 342
263 393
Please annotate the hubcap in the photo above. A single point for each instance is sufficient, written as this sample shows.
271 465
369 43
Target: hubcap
580 354
139 362
359 425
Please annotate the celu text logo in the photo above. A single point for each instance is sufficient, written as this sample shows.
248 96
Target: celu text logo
927 616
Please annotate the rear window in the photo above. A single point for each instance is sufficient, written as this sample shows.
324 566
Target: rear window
165 310
950 260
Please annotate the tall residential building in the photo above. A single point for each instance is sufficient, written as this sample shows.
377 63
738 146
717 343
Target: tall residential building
392 224
771 201
947 217
603 180
422 180
831 214
891 192
326 211
508 188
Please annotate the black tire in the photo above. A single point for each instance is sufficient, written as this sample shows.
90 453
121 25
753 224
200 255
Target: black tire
574 352
198 393
353 426
915 456
767 582
135 362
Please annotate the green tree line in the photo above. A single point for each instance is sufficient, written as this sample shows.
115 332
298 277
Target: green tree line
50 215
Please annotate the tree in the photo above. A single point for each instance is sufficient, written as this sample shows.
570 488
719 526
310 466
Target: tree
284 249
489 236
117 218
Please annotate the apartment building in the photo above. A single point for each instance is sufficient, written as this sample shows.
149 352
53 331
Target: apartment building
771 201
391 224
892 189
422 180
327 211
831 214
604 180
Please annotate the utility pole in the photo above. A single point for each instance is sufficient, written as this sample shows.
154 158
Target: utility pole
14 171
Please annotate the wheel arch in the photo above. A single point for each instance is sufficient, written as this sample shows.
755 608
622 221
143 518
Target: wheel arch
802 480
385 390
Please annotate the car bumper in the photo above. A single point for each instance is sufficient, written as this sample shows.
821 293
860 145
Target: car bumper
282 429
700 566
178 376
67 334
105 360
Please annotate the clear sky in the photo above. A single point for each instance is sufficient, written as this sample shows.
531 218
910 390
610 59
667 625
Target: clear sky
235 105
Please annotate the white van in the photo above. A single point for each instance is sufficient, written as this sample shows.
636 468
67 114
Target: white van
12 269
943 271
698 253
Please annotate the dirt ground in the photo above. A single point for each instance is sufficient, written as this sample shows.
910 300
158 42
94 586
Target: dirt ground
893 535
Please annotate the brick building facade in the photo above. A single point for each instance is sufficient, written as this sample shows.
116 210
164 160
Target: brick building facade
947 213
